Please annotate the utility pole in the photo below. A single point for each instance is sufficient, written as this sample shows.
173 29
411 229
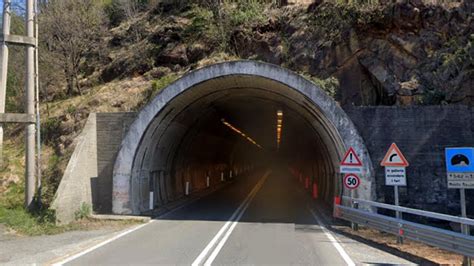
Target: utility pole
37 99
4 68
29 117
30 106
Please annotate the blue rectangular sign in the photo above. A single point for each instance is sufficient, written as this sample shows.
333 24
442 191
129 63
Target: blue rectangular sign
459 160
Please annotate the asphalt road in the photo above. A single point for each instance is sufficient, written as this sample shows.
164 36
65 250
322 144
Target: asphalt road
262 218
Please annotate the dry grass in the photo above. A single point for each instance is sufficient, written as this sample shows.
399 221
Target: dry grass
436 255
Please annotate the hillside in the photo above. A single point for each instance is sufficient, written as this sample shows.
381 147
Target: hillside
402 54
393 54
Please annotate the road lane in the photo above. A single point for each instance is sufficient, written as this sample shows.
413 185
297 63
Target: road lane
214 246
176 238
275 226
279 228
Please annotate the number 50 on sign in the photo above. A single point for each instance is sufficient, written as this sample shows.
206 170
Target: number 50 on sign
351 181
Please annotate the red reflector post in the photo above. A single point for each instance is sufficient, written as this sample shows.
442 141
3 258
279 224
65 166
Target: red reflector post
337 200
315 190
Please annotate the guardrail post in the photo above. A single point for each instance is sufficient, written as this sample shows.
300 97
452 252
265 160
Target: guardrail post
465 229
401 232
355 205
467 261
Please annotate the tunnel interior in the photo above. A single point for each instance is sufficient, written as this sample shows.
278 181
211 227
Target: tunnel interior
221 127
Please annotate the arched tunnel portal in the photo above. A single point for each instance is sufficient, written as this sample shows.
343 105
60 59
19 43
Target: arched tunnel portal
184 135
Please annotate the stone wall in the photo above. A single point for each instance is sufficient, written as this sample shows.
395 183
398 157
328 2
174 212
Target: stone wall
422 133
111 129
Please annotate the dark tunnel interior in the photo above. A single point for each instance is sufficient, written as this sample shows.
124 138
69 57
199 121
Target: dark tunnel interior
211 133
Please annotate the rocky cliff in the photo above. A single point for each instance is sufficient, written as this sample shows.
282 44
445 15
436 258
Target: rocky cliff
398 54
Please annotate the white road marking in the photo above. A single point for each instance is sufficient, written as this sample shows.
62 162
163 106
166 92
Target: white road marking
228 227
77 255
333 240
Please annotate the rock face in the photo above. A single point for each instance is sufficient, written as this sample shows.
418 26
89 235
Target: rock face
397 54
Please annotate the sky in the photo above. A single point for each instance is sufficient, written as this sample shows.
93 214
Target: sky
15 4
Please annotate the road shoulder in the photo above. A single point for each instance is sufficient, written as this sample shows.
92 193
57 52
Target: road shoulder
47 249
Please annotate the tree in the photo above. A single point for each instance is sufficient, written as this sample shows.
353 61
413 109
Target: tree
70 29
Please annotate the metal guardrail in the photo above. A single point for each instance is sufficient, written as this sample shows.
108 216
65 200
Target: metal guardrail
442 238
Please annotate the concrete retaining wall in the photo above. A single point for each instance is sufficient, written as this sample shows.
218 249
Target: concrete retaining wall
75 186
88 175
422 133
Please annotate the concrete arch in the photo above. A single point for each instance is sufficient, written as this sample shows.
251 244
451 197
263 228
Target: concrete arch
142 151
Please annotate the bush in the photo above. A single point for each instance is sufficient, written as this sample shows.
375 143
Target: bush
215 25
50 130
246 13
84 211
329 85
202 25
158 85
52 177
432 97
71 109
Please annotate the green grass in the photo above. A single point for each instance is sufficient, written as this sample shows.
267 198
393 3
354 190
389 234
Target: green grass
12 212
42 222
31 224
16 217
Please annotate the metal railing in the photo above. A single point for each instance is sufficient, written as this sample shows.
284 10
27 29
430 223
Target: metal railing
433 236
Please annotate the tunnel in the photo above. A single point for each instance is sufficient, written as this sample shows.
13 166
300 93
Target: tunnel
223 120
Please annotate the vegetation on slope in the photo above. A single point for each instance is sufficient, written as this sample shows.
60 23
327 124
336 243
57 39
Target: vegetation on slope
115 55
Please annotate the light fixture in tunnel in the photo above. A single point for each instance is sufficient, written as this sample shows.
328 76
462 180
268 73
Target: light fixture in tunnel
236 130
279 127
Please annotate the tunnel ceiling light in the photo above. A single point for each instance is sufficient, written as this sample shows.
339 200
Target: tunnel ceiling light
236 130
279 127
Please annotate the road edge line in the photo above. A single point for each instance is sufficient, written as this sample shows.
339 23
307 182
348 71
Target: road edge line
333 240
103 243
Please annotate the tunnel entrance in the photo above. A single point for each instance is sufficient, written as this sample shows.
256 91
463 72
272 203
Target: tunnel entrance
220 120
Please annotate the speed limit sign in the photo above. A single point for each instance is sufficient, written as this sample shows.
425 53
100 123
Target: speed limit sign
351 181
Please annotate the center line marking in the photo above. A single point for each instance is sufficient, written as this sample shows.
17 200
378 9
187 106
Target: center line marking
228 227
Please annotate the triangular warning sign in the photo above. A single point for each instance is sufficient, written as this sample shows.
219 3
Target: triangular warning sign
394 157
351 158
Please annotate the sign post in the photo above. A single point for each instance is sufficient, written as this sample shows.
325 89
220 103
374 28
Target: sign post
395 175
351 165
460 170
352 181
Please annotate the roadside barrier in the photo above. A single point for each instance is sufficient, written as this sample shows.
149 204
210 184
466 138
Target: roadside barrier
433 236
